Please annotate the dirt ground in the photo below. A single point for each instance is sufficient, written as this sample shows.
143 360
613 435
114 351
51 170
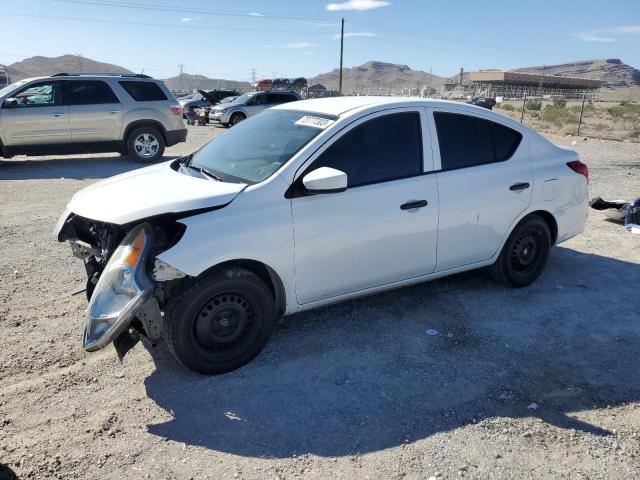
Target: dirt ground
541 382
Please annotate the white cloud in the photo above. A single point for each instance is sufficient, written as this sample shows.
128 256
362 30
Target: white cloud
185 19
298 45
309 54
355 34
607 35
328 24
360 5
256 14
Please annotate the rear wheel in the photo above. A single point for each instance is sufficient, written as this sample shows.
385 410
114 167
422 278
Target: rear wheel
524 255
145 145
221 321
236 118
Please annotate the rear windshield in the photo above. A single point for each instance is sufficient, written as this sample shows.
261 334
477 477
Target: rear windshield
254 149
144 91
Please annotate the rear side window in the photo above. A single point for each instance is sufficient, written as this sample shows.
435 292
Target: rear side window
382 149
144 91
467 141
282 98
89 92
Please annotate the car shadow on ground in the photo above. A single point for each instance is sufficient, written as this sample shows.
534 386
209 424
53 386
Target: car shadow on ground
76 167
365 375
6 473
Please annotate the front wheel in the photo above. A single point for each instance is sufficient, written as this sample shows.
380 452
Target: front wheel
220 322
524 255
236 118
145 145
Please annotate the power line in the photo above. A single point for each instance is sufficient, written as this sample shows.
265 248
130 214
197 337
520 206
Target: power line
165 25
201 11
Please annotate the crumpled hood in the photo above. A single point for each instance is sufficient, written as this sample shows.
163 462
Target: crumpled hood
150 191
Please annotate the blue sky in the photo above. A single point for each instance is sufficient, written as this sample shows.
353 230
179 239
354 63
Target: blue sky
299 38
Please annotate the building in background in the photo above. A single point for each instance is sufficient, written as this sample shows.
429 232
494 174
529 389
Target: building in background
513 85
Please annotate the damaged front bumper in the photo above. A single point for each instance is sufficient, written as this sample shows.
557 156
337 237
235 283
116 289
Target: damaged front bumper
125 284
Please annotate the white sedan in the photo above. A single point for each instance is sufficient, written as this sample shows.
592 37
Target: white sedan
310 203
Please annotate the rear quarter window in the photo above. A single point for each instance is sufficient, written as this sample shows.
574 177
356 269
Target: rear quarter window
143 91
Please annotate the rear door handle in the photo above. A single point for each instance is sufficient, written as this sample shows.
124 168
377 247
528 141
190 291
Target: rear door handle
114 112
519 186
57 114
412 205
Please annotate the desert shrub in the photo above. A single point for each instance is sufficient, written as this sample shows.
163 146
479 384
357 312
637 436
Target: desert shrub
559 102
558 116
634 133
533 105
507 106
627 111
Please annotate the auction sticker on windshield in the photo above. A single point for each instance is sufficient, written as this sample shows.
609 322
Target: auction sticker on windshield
316 122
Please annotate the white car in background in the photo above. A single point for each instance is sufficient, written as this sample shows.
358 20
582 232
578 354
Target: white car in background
311 203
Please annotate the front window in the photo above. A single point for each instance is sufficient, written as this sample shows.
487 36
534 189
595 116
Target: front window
244 98
254 149
42 94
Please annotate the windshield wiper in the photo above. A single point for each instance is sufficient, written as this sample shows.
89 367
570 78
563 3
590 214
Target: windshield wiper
203 171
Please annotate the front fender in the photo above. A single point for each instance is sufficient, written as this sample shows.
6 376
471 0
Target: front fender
240 232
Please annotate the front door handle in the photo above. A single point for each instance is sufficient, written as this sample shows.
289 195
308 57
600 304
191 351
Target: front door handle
519 186
412 205
114 112
57 114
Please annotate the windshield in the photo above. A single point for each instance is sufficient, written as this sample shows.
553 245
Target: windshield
8 88
255 148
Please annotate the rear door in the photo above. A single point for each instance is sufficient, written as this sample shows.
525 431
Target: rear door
39 117
485 181
95 112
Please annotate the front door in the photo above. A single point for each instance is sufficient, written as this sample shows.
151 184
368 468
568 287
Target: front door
95 112
484 183
383 228
38 116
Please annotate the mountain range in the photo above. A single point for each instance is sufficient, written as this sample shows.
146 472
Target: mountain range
619 78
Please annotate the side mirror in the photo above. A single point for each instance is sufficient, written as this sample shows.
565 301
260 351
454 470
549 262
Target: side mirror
10 103
325 180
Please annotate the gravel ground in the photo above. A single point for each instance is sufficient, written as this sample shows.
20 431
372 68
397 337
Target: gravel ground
541 382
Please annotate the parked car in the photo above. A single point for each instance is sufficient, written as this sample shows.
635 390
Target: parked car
78 113
311 203
205 98
248 105
221 103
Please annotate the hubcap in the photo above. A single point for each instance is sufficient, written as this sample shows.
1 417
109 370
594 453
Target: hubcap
146 145
525 251
223 322
237 119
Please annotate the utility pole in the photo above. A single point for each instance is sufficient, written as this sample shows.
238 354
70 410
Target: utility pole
181 67
341 54
253 75
584 97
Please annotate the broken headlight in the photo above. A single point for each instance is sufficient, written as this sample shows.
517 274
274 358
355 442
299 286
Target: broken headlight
122 288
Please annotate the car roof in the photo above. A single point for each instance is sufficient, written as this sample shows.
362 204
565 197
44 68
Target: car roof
346 106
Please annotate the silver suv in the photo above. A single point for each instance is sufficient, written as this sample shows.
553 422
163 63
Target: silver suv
81 113
248 105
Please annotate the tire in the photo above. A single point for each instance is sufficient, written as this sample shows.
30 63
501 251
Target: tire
524 255
236 118
220 322
145 145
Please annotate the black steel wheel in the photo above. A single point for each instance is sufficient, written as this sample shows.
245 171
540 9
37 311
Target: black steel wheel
221 321
525 253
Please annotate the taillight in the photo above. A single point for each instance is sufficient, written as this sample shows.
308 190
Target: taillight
176 109
579 167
